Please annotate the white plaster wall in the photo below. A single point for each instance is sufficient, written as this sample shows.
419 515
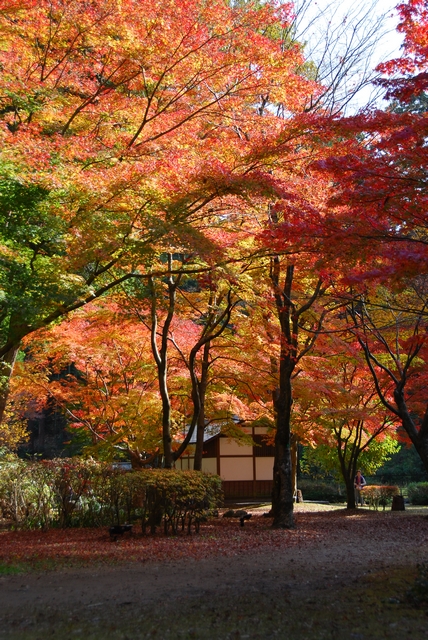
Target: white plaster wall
264 468
236 468
232 448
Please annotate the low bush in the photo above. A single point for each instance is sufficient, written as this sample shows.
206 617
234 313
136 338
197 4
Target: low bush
316 490
382 495
417 492
75 492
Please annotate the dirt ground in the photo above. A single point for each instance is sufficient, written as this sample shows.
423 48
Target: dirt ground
339 575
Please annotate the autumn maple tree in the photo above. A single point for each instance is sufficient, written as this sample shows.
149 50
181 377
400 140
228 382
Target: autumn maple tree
380 195
340 414
183 339
96 369
378 215
115 138
391 330
141 373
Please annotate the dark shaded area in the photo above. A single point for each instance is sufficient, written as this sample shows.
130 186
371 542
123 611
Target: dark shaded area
404 466
48 435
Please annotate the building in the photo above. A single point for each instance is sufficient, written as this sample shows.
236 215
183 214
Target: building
246 470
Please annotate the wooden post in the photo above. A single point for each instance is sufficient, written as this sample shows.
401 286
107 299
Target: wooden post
397 503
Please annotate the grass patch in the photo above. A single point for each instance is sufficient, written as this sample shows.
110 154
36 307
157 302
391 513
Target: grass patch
11 569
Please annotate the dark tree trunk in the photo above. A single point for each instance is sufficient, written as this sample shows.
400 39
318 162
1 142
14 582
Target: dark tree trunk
166 426
161 358
348 468
290 317
135 458
350 492
421 446
282 493
199 449
200 428
200 432
294 461
215 325
418 433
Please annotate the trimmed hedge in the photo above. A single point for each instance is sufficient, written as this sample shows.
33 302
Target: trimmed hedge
417 492
315 490
77 493
382 495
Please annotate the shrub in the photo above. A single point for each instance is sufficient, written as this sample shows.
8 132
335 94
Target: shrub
73 492
382 495
179 498
316 490
25 494
68 481
417 492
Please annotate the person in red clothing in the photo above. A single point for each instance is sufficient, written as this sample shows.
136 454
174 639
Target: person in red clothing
359 484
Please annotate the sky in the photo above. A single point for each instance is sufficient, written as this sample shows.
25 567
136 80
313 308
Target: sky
364 29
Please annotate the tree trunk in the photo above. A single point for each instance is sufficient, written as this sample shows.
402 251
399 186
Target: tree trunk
282 493
199 449
200 430
418 434
348 470
294 452
7 364
197 400
350 493
137 461
214 327
161 358
421 446
166 427
135 458
289 316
